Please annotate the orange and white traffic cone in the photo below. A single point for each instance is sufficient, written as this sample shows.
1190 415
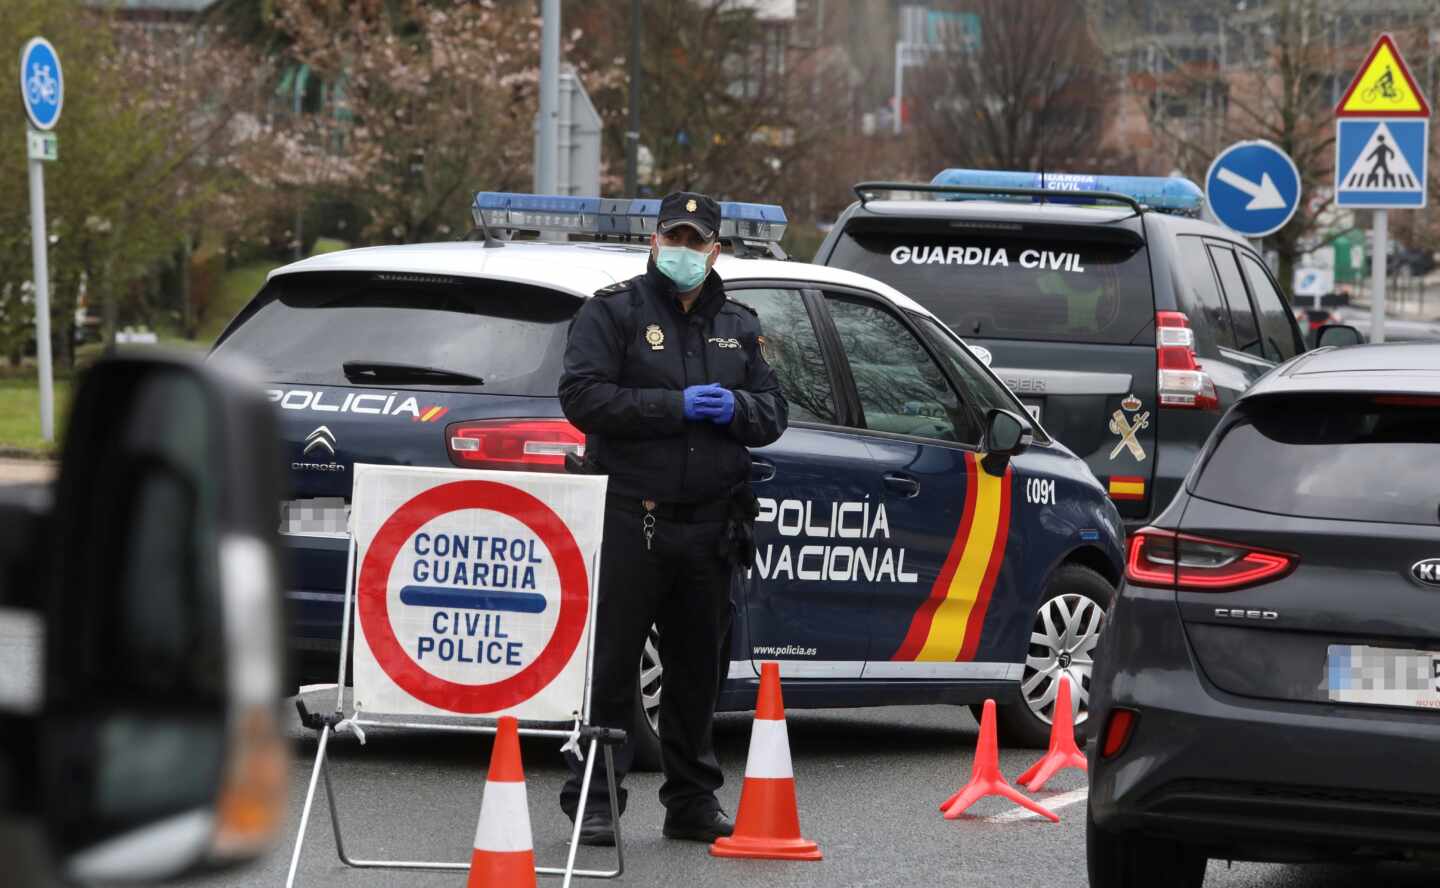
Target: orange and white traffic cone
985 776
768 823
1063 752
504 855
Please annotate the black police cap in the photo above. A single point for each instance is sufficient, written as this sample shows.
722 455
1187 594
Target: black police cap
689 208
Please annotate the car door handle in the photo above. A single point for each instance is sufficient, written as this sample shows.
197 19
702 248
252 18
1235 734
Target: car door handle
761 471
903 485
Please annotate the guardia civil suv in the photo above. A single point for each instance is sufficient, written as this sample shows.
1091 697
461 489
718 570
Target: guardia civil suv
918 540
1126 325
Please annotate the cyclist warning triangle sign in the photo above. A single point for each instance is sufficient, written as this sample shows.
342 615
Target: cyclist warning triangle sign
1381 165
1384 87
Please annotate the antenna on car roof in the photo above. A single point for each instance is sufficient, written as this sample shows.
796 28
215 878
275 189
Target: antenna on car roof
482 232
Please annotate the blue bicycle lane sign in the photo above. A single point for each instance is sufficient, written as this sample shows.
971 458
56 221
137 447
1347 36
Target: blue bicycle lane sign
42 84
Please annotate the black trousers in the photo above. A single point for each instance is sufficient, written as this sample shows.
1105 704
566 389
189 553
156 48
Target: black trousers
682 586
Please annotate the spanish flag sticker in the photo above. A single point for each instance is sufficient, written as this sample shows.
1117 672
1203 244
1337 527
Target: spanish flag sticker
1127 487
947 626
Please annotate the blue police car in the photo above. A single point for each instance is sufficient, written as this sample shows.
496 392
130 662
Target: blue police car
919 540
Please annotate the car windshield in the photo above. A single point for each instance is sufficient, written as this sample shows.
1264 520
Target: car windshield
1054 286
307 328
1369 458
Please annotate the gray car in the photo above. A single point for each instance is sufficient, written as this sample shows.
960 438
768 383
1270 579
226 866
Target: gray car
1268 685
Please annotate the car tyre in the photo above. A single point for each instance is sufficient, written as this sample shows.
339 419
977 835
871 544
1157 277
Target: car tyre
1067 627
1138 861
646 730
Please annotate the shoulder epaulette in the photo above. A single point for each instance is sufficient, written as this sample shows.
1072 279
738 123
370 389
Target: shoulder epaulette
614 289
731 300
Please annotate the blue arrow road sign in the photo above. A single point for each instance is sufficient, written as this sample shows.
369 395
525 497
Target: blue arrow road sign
42 85
1380 164
1253 188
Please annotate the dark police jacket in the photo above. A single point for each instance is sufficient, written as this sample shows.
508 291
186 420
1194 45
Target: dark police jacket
632 351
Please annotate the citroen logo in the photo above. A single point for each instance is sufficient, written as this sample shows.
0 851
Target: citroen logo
321 437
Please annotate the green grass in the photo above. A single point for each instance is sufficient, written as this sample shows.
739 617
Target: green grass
20 414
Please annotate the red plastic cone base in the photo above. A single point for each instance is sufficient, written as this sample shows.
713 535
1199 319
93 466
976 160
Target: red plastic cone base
1063 752
986 779
765 849
497 869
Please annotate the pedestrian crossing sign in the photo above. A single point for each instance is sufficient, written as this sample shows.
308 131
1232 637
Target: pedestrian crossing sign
1383 87
1380 163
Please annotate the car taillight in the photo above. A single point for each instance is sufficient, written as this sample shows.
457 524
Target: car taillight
1180 381
1117 732
527 445
1195 564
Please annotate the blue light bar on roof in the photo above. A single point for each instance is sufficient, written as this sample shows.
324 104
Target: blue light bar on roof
497 209
1170 194
752 221
614 217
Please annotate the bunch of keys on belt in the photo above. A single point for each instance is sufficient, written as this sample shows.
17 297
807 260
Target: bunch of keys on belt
647 524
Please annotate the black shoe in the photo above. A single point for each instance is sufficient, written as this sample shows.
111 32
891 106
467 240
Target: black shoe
596 829
704 825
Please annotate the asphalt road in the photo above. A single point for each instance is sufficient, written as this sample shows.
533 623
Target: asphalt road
869 782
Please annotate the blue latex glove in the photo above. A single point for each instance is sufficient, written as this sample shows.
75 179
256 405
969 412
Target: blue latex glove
724 410
701 402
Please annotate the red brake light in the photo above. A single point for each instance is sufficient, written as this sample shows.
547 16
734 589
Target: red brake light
1117 732
1180 381
527 445
1195 564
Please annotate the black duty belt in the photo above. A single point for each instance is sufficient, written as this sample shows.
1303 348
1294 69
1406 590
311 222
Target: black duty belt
714 510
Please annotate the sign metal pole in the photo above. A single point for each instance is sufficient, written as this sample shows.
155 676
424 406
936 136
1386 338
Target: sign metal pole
42 93
38 250
1380 247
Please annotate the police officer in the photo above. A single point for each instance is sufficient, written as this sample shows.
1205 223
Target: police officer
665 376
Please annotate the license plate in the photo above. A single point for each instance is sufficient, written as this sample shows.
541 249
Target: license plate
1383 676
1032 409
321 516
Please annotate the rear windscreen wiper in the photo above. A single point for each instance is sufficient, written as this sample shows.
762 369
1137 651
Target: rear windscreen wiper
377 371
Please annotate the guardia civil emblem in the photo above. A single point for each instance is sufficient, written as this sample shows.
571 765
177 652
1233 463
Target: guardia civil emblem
655 336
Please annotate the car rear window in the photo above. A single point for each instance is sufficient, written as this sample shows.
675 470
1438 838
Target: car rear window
1048 285
303 328
1367 458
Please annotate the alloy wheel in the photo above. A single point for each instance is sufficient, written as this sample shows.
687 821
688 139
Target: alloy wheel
650 675
1062 642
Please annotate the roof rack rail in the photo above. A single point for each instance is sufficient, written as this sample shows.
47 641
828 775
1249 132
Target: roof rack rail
863 192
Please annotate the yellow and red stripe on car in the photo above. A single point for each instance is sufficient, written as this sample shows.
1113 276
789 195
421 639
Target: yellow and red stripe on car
947 626
1127 487
432 413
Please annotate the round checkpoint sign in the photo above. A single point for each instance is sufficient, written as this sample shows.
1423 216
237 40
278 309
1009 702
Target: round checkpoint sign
458 619
42 83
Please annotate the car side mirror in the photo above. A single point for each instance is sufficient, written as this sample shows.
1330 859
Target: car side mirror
1338 336
1006 435
160 749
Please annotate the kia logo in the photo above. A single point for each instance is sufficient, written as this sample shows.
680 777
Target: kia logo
321 437
1427 571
